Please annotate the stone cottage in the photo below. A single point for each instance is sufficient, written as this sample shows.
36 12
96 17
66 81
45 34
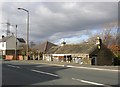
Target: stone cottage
85 53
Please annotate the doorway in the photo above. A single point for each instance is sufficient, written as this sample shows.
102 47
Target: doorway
94 60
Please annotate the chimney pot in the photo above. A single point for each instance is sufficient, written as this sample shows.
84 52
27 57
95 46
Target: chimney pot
2 36
63 43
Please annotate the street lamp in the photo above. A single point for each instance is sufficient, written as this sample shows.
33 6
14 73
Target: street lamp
27 36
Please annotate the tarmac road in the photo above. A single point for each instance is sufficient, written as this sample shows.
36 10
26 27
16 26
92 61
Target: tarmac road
22 73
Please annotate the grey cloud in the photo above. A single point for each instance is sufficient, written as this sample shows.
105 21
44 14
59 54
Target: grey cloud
55 20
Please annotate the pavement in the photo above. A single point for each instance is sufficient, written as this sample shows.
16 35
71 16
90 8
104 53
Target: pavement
74 65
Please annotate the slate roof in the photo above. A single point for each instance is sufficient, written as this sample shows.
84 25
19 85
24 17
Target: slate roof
4 39
21 40
53 49
43 47
72 49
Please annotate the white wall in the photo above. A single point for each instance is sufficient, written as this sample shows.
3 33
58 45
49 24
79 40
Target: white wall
10 44
2 45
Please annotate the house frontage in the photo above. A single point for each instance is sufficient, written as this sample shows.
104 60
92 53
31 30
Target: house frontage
9 47
70 53
102 56
84 53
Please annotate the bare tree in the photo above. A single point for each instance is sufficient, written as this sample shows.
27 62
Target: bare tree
32 44
109 34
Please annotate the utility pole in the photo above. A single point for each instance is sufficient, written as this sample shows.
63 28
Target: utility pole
16 41
8 28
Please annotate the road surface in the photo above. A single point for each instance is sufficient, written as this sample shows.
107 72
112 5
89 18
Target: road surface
19 74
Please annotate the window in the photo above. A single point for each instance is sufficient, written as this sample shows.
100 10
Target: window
2 44
87 56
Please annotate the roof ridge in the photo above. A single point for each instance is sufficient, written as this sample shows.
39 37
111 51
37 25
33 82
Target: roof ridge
46 43
6 38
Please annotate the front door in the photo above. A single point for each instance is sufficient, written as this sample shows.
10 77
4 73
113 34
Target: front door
94 60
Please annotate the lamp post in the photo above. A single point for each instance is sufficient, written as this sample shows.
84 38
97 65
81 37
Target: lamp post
27 35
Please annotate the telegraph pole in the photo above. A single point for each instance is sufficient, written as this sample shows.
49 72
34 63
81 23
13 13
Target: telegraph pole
8 28
16 41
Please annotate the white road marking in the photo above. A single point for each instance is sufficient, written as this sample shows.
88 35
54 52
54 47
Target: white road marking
56 65
41 66
44 73
100 69
93 68
89 82
49 64
94 83
14 66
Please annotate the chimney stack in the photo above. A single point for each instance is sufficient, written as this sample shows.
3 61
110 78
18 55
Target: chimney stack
99 42
2 36
63 43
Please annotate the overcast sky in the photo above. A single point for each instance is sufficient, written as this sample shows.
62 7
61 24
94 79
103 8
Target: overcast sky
58 21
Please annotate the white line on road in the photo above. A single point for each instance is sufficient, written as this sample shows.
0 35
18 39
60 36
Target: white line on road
45 73
14 66
49 64
93 83
41 66
92 68
100 69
